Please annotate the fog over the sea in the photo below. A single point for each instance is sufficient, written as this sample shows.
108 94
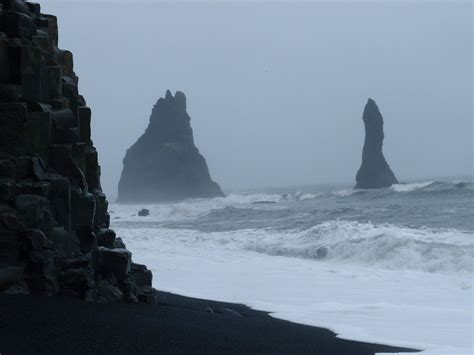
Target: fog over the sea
276 90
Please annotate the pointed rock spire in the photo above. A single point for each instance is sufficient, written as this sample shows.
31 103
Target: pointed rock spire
374 171
164 164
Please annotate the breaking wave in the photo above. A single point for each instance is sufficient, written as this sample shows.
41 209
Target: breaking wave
435 186
403 189
354 243
411 187
383 245
380 228
416 188
197 207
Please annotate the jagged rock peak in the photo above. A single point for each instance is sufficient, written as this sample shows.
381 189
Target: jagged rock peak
177 102
54 223
164 164
374 171
180 99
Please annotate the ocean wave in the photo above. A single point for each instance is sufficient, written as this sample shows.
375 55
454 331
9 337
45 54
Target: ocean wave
408 189
354 243
242 213
435 186
232 204
383 245
249 198
266 205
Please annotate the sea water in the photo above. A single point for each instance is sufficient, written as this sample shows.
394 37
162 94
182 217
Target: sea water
391 265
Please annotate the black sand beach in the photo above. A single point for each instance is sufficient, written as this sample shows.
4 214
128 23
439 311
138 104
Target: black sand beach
178 325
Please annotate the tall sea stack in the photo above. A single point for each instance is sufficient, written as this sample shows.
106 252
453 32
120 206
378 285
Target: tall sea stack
164 164
54 224
374 172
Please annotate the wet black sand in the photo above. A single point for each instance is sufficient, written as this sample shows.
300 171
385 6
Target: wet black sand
177 325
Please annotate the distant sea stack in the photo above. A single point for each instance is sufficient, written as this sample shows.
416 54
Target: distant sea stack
374 172
54 224
164 164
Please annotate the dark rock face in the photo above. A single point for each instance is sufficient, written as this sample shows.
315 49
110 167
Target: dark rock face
374 172
54 224
143 212
164 164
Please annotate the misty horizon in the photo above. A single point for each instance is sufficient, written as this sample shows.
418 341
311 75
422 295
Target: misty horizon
273 97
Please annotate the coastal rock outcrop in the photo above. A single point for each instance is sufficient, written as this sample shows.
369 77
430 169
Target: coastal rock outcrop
374 171
164 164
54 224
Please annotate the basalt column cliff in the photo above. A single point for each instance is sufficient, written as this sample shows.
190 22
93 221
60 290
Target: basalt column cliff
164 164
54 224
374 171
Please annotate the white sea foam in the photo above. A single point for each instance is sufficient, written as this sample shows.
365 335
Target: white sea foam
388 246
401 306
379 282
309 196
344 193
380 245
411 187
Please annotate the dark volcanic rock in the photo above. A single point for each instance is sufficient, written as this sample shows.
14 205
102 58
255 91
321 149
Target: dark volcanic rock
116 262
143 212
374 172
54 224
164 164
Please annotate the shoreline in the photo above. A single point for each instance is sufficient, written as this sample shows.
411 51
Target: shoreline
175 324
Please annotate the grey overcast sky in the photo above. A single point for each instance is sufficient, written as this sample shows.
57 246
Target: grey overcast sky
276 89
